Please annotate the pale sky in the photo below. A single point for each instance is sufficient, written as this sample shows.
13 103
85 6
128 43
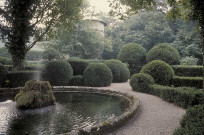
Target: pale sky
100 5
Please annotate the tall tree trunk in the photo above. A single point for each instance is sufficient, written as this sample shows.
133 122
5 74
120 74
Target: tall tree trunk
18 64
202 39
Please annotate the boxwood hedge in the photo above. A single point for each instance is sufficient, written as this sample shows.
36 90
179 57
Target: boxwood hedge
97 75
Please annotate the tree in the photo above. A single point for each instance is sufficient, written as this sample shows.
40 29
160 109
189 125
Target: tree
188 40
83 41
186 9
26 18
145 28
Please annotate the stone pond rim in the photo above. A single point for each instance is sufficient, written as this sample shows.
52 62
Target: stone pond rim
104 127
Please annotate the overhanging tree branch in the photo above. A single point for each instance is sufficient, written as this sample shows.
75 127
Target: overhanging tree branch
41 35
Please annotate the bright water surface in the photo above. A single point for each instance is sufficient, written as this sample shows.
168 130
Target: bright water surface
72 111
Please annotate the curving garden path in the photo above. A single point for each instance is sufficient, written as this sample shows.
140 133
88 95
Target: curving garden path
154 116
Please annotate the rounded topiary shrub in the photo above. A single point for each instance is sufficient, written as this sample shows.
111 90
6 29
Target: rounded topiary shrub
133 54
50 54
141 82
77 81
119 70
164 52
58 73
97 75
160 71
78 66
3 73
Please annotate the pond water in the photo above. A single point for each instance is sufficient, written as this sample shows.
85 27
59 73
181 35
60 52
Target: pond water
72 111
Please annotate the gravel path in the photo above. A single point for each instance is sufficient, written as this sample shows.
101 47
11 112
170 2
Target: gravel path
154 116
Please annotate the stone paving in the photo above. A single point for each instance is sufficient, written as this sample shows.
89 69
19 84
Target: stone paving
154 116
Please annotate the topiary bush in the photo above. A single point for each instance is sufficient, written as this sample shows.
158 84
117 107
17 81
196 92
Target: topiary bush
50 54
97 75
160 71
192 122
133 54
120 71
77 81
164 52
141 82
78 66
3 73
58 73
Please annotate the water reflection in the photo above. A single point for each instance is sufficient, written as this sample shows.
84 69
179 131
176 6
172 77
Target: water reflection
72 111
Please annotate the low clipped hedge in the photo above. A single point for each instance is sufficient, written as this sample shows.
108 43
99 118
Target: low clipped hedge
78 66
182 96
133 54
19 78
141 82
192 122
34 67
77 81
5 61
191 71
58 73
196 82
120 71
160 71
164 52
3 74
97 75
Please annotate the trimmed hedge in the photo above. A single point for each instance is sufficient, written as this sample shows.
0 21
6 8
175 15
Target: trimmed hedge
182 96
141 82
58 73
77 81
196 82
164 52
133 54
160 71
191 71
97 75
3 73
5 61
78 66
120 71
192 122
19 78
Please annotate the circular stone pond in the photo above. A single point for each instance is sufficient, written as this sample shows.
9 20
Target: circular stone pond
74 112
